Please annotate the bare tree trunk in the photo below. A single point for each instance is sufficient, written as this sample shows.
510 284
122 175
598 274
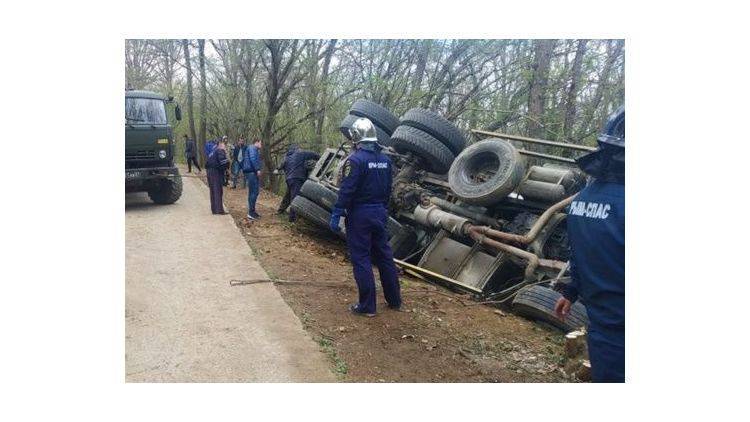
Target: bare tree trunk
570 102
204 92
538 86
189 71
320 121
614 50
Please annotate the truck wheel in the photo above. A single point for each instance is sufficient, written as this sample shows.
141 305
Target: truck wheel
314 213
436 157
383 138
378 114
538 303
486 172
319 194
437 126
169 191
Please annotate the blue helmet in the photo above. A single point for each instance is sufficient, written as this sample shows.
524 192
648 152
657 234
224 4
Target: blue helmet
608 161
614 130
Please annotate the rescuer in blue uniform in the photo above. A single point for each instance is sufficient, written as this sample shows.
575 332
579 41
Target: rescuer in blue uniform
596 232
363 199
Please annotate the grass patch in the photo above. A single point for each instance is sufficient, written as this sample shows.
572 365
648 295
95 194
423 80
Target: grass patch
339 366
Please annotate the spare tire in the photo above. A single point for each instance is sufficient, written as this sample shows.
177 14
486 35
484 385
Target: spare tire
313 213
486 172
538 302
437 126
383 138
436 157
319 194
378 114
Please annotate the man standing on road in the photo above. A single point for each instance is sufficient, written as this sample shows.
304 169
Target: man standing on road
252 165
237 155
190 154
295 169
363 198
596 232
215 165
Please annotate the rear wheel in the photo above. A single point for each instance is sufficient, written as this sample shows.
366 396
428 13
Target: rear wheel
313 212
437 126
378 114
319 194
435 156
538 303
168 191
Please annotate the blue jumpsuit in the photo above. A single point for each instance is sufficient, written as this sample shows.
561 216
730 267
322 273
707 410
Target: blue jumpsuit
364 194
596 231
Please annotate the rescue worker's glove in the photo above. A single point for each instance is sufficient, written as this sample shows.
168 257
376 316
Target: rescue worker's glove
336 215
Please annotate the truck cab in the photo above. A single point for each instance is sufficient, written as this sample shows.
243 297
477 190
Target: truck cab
149 147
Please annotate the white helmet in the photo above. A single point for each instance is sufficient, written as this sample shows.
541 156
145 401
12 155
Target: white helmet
362 130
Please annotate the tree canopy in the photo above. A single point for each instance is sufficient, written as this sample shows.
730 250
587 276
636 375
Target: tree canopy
285 91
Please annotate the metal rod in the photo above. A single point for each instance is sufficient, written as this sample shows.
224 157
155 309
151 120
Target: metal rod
436 275
547 156
534 140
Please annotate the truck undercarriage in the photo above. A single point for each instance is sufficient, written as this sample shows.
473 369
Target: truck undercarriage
488 218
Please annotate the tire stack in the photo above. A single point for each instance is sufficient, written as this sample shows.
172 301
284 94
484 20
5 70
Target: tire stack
421 132
430 137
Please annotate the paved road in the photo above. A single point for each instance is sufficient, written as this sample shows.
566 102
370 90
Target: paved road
184 322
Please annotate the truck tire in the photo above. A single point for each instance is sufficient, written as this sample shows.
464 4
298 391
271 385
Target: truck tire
319 194
378 114
538 303
486 172
436 157
437 126
169 191
313 213
383 138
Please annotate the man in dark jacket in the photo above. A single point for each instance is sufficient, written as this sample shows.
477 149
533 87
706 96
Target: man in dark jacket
295 169
237 155
216 164
596 232
190 154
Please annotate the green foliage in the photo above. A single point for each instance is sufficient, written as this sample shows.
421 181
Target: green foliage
474 83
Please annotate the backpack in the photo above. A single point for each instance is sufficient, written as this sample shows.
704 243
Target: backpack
212 161
209 148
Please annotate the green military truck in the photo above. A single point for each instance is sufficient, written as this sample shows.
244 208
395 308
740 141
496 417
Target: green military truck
149 147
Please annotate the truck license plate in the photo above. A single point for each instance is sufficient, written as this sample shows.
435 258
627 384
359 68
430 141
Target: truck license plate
131 175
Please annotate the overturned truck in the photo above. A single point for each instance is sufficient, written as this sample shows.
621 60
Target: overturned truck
487 218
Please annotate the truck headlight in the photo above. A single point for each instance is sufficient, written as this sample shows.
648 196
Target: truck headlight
162 154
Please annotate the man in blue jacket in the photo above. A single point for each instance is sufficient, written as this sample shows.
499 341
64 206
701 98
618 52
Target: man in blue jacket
596 232
252 166
363 198
294 167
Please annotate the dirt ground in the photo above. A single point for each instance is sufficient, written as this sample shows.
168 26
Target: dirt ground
441 336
